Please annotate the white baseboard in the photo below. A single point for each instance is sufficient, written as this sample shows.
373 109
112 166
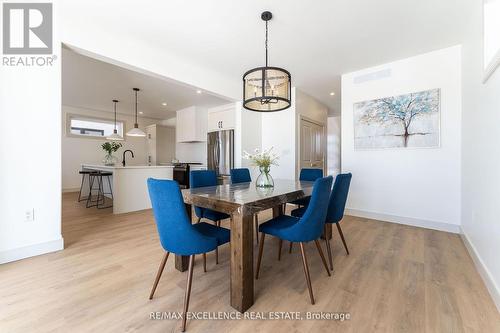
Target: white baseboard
68 190
483 270
405 220
31 250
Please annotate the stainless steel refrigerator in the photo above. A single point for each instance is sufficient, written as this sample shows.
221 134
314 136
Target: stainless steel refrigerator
220 153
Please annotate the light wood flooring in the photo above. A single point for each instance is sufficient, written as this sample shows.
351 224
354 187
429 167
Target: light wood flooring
396 279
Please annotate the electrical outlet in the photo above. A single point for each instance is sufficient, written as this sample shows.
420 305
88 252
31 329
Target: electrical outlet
29 215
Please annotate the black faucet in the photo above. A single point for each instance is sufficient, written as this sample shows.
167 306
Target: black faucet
123 160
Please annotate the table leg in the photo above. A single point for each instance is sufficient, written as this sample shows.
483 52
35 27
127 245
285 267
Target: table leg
277 210
182 262
242 260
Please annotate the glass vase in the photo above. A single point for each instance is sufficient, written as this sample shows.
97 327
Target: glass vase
109 160
264 179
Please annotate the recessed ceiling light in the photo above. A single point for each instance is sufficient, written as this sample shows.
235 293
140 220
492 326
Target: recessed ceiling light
332 94
198 91
140 112
164 104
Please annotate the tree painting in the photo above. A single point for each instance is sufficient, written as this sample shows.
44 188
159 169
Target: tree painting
410 120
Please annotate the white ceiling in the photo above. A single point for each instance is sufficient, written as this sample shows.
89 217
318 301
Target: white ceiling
93 84
316 41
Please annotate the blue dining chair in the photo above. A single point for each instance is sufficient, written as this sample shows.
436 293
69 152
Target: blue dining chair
304 229
203 178
242 175
178 235
309 175
336 208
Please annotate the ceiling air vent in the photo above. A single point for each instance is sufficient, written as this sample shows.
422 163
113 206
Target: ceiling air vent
382 74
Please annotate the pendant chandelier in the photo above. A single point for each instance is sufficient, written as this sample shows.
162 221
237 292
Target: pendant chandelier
136 131
267 89
115 136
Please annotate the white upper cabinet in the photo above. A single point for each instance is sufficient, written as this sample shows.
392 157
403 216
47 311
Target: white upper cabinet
221 117
191 124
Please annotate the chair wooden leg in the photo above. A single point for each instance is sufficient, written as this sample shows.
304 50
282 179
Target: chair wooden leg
306 271
320 251
204 262
342 237
279 249
257 228
328 249
290 249
158 274
259 259
188 292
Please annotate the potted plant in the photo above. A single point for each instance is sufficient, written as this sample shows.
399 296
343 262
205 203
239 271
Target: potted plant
263 159
110 148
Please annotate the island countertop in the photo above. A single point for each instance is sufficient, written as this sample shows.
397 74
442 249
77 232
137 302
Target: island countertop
119 166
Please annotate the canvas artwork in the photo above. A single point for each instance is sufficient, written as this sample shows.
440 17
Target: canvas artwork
410 120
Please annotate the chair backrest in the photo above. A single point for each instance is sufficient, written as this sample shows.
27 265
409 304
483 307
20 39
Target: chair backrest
202 178
241 175
310 174
310 225
338 198
177 235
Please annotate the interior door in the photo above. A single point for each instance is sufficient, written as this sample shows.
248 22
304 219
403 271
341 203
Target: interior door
318 158
312 145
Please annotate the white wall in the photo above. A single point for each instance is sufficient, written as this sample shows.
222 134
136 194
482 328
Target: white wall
191 152
481 158
76 151
412 186
278 131
333 146
310 107
248 136
30 155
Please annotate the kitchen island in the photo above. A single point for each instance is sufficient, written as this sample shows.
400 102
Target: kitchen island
130 190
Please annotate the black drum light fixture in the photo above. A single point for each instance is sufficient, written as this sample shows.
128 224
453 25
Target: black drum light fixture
267 89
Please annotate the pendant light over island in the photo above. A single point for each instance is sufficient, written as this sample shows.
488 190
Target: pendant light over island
136 131
115 136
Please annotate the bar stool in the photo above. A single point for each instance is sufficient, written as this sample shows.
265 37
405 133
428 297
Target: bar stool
88 174
101 195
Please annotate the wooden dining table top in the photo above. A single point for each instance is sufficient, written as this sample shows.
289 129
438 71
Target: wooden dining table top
242 201
229 197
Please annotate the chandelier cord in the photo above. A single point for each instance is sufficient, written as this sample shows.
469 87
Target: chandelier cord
266 43
115 114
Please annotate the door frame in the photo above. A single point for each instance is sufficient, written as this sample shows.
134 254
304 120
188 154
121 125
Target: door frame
298 142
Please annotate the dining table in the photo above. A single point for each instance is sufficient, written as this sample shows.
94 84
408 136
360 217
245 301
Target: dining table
241 201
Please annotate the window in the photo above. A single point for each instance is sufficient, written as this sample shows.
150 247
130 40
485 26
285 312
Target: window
84 126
